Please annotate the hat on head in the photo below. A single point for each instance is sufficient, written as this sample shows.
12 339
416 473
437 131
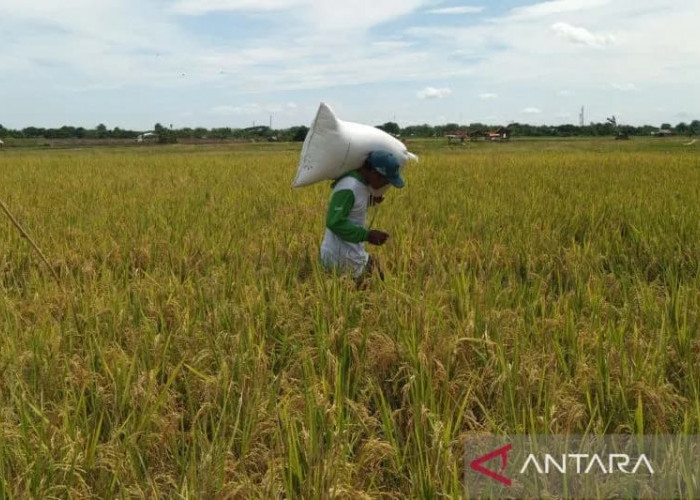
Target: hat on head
387 165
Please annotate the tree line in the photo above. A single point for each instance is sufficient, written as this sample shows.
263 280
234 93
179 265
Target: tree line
527 130
297 133
162 133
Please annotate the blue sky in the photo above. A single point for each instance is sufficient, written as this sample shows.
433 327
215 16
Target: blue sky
211 63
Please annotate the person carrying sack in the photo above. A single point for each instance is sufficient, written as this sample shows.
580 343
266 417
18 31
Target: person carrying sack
346 231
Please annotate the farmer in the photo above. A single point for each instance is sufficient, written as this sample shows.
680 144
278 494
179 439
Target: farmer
343 242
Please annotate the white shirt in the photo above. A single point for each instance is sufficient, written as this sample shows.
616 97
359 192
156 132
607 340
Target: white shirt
337 253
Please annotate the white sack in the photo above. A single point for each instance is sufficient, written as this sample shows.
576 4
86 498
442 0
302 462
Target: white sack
334 147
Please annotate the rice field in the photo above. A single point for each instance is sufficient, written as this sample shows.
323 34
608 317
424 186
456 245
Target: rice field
195 347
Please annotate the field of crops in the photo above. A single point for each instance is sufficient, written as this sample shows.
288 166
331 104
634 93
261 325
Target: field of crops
195 347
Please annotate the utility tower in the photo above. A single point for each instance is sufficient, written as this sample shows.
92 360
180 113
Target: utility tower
581 117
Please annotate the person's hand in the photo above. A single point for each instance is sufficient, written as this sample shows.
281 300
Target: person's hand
375 200
377 237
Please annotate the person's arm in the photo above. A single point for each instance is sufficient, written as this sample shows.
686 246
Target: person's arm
337 218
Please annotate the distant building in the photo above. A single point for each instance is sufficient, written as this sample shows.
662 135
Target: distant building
500 134
460 135
147 137
662 133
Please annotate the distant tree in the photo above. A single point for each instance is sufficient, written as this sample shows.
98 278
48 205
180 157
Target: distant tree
478 127
694 127
34 132
682 128
423 130
221 133
65 132
184 133
257 132
101 131
298 134
167 136
601 129
567 130
519 129
237 133
627 130
665 126
451 128
390 128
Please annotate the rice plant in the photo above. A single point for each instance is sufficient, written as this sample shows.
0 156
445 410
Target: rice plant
532 287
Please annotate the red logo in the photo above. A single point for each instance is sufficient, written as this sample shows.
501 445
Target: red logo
476 464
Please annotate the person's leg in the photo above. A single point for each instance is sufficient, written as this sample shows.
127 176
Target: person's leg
371 267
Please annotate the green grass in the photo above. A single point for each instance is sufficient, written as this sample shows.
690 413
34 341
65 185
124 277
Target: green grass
532 287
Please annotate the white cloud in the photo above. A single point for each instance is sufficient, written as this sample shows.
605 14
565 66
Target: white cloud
200 7
226 110
109 51
391 45
532 111
487 96
565 93
330 16
114 44
465 9
545 9
581 36
323 15
625 87
250 109
433 93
